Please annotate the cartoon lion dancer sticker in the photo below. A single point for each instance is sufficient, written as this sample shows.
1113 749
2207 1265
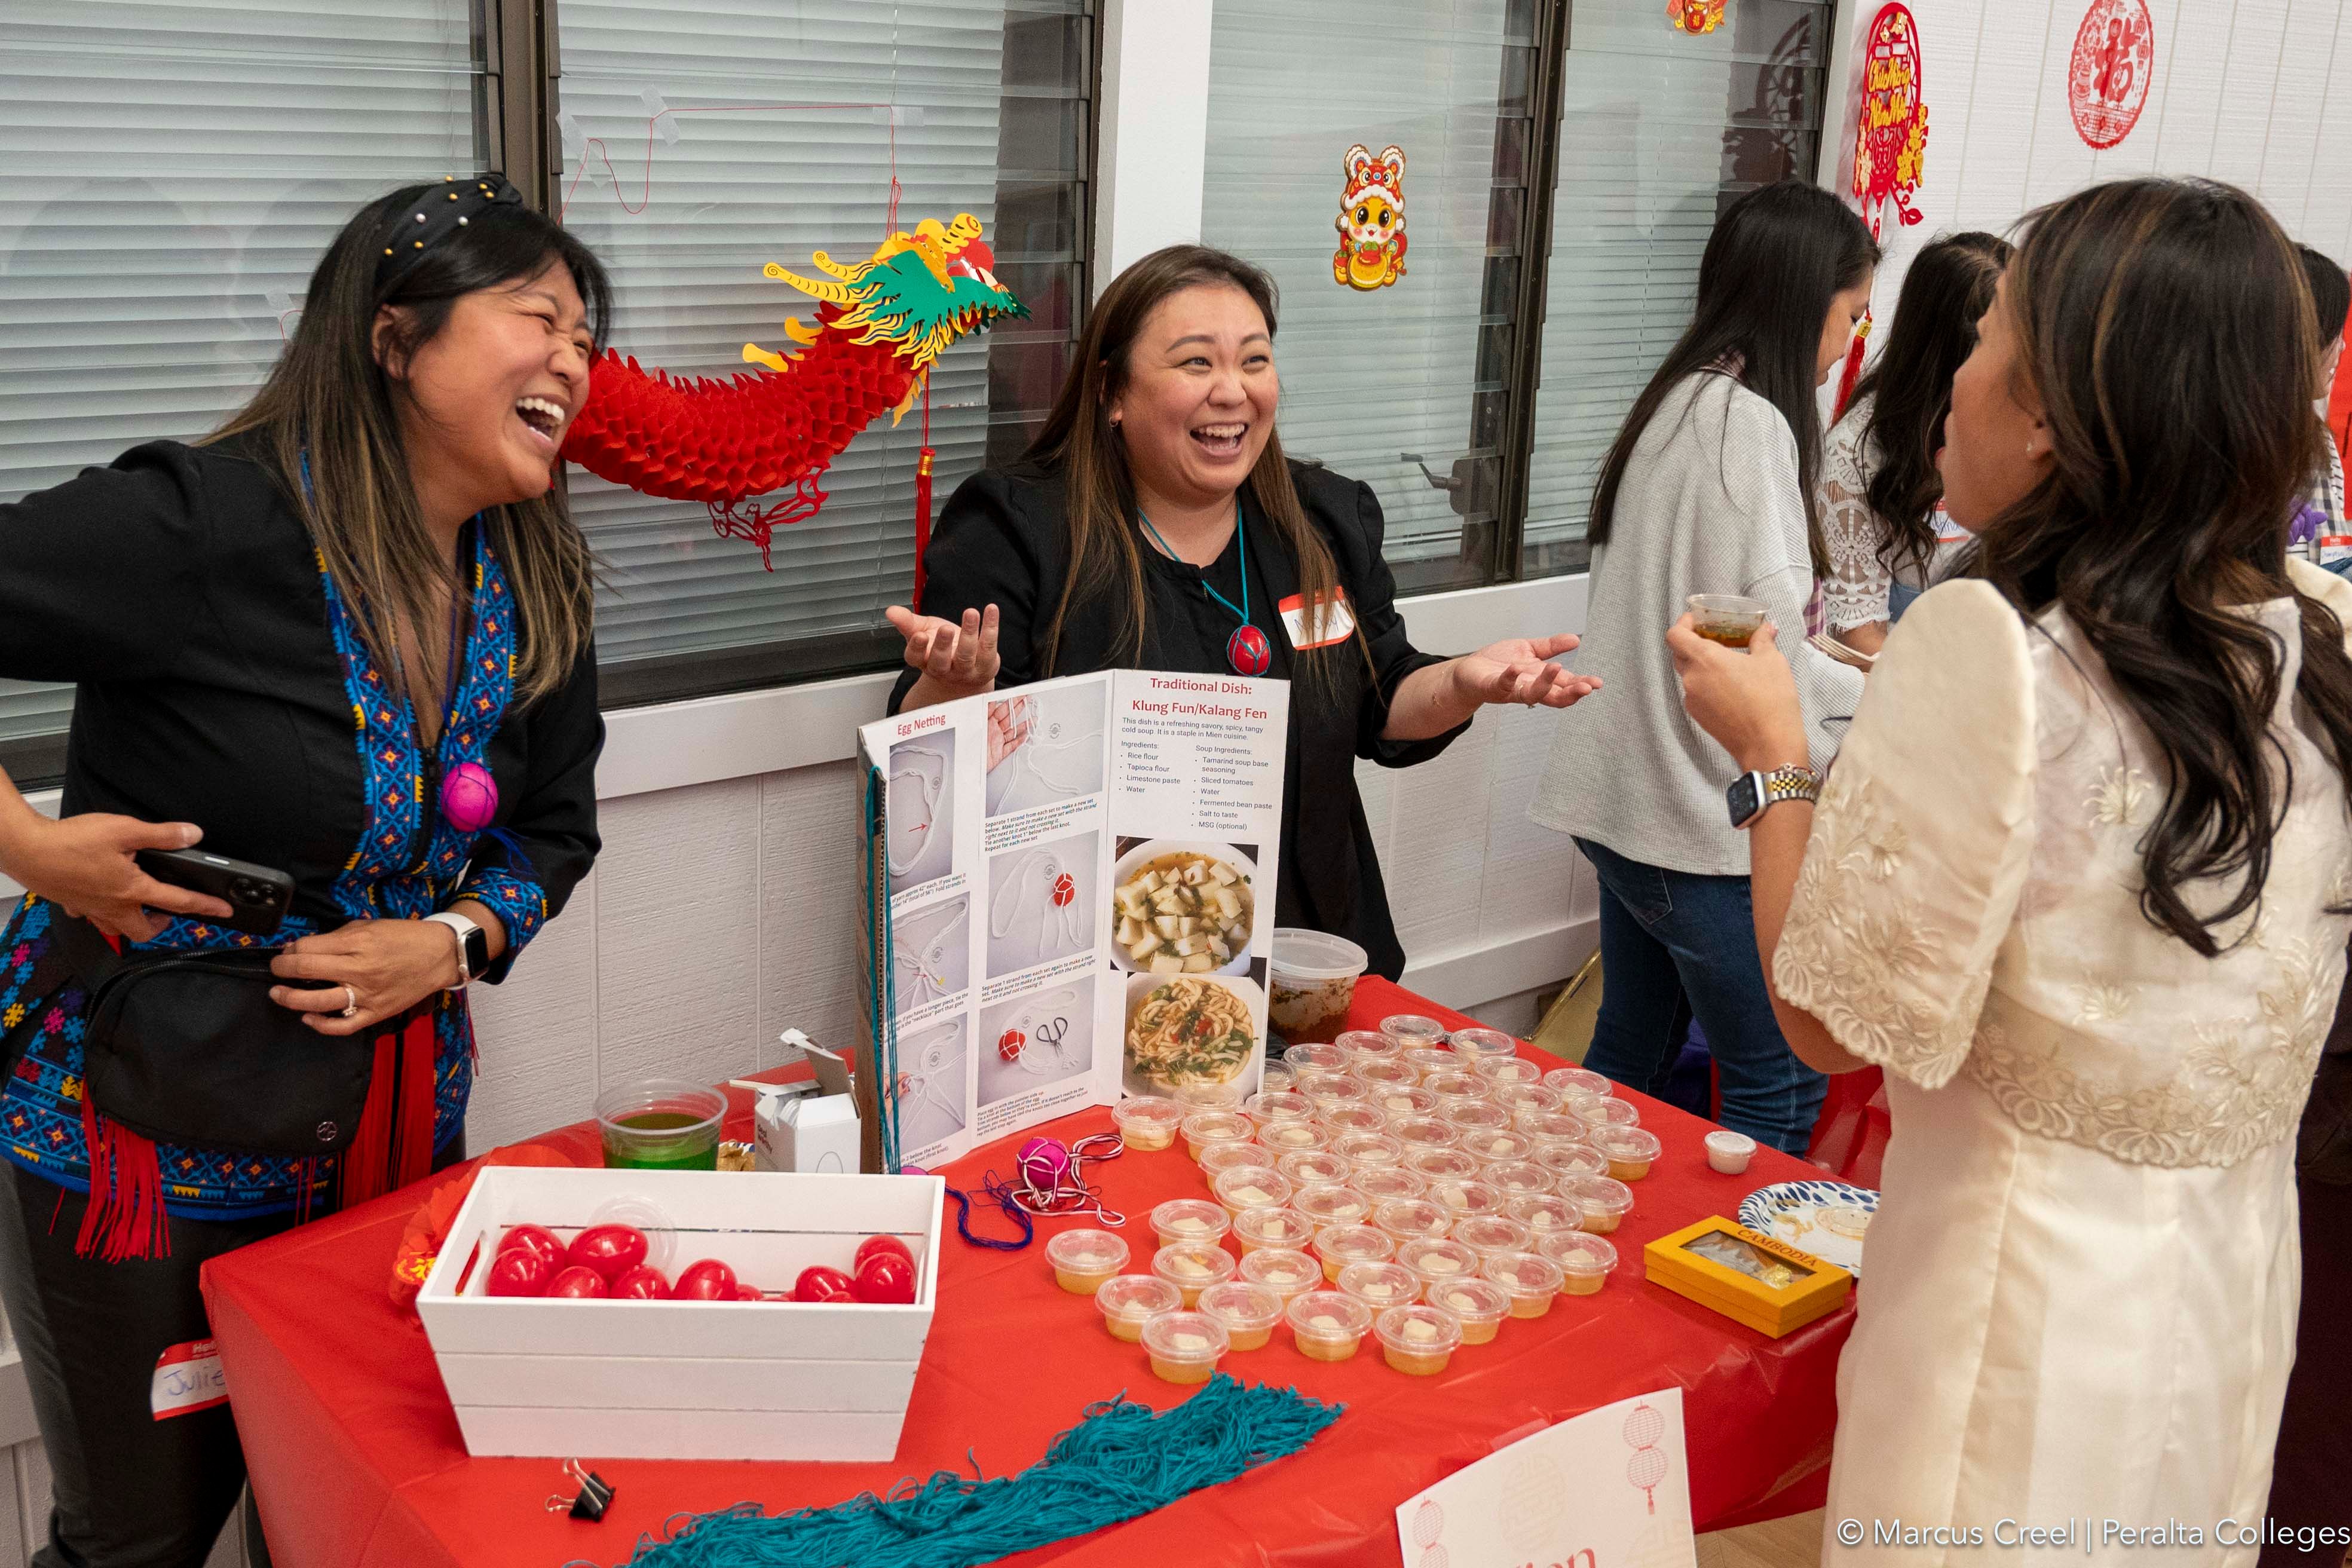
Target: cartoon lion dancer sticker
1371 219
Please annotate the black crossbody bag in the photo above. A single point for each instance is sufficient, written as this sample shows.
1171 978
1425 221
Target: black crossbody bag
186 1046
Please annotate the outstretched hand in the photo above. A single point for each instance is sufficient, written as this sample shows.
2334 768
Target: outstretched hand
959 660
1519 670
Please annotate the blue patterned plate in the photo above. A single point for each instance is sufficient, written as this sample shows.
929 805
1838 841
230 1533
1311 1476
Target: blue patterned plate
1818 1217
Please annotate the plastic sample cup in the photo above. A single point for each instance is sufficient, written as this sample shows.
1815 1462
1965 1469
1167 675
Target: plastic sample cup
1496 1147
1379 1284
1578 1080
661 1124
1436 1259
1341 1119
1084 1260
1425 1132
1729 1151
1478 1305
1288 1273
1313 1057
1418 1340
1368 1151
1412 1031
1400 1101
1725 618
1275 1227
1481 1043
1208 1096
1248 1312
1276 1077
1549 1129
1531 1279
1466 1199
1128 1301
1488 1233
1441 1164
1383 1182
1190 1219
1342 1246
1585 1261
1216 1158
1327 1325
1500 1070
1293 1137
1184 1347
1597 1112
1458 1083
1148 1122
1193 1266
1565 1160
1267 1107
1630 1151
1311 983
1251 1187
1514 1178
1362 1047
1542 1213
1427 1060
1604 1200
1405 1218
1383 1075
1314 1168
1480 1115
1522 1100
1331 1090
1327 1206
1206 1129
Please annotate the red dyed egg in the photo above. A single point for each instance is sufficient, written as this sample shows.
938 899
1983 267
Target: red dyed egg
747 1293
641 1284
578 1284
885 1280
535 1238
612 1250
873 1244
709 1281
822 1284
521 1272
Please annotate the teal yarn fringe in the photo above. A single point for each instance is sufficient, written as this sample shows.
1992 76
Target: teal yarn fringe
1120 1462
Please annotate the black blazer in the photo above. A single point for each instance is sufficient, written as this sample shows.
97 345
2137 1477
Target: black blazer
1003 539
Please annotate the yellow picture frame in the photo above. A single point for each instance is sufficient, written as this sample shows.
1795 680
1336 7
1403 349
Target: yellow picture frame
1747 1276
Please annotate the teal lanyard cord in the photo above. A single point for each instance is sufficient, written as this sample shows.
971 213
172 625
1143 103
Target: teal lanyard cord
1241 530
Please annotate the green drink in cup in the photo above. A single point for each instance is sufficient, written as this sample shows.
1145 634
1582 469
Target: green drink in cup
661 1124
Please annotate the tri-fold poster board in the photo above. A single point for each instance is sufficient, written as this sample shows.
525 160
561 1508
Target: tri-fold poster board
1069 896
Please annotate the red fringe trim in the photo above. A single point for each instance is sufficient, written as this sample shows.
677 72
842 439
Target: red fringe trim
412 1147
125 1217
363 1159
1852 372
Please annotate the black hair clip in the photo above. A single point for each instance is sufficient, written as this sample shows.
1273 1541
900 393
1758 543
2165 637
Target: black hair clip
595 1494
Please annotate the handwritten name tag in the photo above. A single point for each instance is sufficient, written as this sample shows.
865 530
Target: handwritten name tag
1335 624
187 1379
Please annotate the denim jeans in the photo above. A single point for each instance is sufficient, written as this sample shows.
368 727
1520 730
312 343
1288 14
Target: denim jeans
1674 944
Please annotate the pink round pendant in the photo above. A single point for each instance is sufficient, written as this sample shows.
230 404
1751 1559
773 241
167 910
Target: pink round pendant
470 797
1248 651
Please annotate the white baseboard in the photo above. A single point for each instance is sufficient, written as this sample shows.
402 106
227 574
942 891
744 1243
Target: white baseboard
1466 977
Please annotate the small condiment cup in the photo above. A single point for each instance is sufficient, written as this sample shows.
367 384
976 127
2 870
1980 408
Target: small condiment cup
1208 1096
1190 1219
1275 1078
1404 1218
1543 1213
1128 1301
1398 1101
1472 1116
1272 1226
1360 1047
1083 1260
1193 1266
1293 1137
1207 1128
1418 1340
1598 1111
1495 1147
1532 1280
1500 1070
1331 1090
1549 1129
1479 1305
1148 1122
1526 1100
1425 1132
1383 1182
1585 1261
1729 1151
1331 1204
1514 1178
1630 1151
1379 1284
1565 1160
1466 1199
1314 1058
1384 1073
1219 1158
1441 1164
1412 1031
1726 618
1342 1246
1250 1187
1248 1312
1313 1168
1436 1259
1368 1151
1184 1347
1479 1044
1327 1325
1488 1234
1427 1060
1268 1107
1458 1084
1604 1200
1341 1119
1286 1271
1577 1080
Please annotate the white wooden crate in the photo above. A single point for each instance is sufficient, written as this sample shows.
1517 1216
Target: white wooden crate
686 1380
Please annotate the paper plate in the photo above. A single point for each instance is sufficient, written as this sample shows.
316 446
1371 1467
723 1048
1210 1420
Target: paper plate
1813 1215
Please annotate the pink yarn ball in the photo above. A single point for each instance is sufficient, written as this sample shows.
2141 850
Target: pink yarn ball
470 797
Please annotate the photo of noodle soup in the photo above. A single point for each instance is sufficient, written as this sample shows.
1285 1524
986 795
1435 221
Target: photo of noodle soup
1182 909
1184 1031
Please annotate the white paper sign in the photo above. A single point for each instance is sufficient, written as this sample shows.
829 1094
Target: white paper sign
1608 1490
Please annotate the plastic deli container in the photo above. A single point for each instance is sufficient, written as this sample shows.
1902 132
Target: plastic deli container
1435 1260
1362 1047
1478 1305
1412 1031
1729 1151
1526 1101
1630 1151
1341 1119
1456 1084
1532 1280
1500 1070
1488 1233
1481 1043
1441 1164
1380 1284
1331 1204
1148 1122
1466 1199
1184 1347
1399 1101
1314 1056
1190 1219
1342 1246
661 1124
1516 1178
1425 1132
1276 1076
1193 1266
1251 1187
1291 1137
1383 1075
1267 1107
1331 1090
1311 983
1604 1200
1565 1160
1585 1261
1578 1080
1327 1325
1204 1129
1418 1340
1084 1260
1368 1151
1405 1218
1597 1110
1286 1272
1128 1301
1381 1183
1549 1129
1314 1168
1248 1312
1480 1115
1216 1158
1496 1147
1427 1060
1542 1213
1276 1227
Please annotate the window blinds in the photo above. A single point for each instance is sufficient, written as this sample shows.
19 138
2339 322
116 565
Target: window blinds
175 169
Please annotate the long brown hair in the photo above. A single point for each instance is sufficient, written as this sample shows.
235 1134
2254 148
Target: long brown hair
2165 328
330 399
1079 441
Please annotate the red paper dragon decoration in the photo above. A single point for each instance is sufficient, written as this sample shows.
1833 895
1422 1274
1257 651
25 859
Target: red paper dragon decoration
1890 143
880 326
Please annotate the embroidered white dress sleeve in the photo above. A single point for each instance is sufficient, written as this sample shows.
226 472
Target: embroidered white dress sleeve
1922 841
1855 592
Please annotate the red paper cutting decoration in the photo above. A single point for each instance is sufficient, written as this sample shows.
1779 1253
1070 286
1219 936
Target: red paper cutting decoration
1643 1427
1696 16
1890 143
2107 77
880 326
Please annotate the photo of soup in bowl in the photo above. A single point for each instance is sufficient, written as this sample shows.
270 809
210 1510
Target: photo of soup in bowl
1188 1031
1182 909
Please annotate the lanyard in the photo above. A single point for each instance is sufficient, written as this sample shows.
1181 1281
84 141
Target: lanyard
1241 529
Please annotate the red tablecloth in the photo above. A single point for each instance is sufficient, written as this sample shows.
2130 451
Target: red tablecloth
356 1458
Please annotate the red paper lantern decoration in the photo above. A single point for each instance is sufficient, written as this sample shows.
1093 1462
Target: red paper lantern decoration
2108 75
1890 143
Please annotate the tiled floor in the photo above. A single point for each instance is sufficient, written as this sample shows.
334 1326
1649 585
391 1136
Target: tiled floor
1791 1543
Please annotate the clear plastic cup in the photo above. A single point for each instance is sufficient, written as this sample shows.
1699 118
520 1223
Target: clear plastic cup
1478 1305
1549 1129
1495 1148
1287 1272
1248 1312
1331 1204
1544 1213
1083 1260
1532 1280
1397 1102
1368 1151
1585 1261
1314 1058
1479 1044
1728 1151
1457 1084
1208 1096
1190 1219
1362 1047
1488 1233
1331 1090
1311 983
1251 1187
1216 1158
1128 1301
1293 1137
1148 1122
1341 1119
1184 1347
1379 1284
1418 1340
1500 1070
1525 1099
1342 1246
1578 1080
1514 1178
1383 1075
1327 1325
1207 1128
1314 1168
1437 1259
1481 1115
1441 1164
1404 1218
1412 1031
1275 1227
1466 1199
1597 1112
1193 1266
1276 1078
661 1124
1425 1132
1565 1160
1604 1200
1427 1060
1726 618
1630 1151
1381 1183
1266 1107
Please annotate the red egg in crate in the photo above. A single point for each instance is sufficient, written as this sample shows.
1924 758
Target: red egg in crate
578 1284
873 1244
519 1272
641 1284
886 1279
822 1284
612 1250
709 1281
534 1238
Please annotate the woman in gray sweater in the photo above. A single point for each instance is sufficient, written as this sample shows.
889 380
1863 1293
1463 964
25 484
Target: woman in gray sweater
1706 490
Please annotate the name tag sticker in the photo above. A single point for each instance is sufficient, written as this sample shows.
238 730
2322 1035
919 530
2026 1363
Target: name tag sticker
187 1379
1338 622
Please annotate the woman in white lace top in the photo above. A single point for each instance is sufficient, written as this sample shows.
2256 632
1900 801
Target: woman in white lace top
1880 497
2079 884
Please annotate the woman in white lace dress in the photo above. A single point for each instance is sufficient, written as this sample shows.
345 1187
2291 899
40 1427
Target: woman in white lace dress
2077 883
1881 497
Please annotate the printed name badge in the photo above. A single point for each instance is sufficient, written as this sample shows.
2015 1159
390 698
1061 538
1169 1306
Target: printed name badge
1946 531
187 1379
1338 622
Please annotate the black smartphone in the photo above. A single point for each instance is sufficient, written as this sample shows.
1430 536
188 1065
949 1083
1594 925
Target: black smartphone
257 896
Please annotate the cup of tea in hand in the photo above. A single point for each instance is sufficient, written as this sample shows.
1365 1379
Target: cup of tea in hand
1725 618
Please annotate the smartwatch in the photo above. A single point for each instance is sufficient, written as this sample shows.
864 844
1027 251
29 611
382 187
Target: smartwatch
1752 794
473 947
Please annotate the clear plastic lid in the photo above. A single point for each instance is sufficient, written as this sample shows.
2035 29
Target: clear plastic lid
1193 1265
1482 1043
1218 1158
1405 1218
1725 1142
641 1213
1332 1204
1242 1306
1498 1147
1577 1080
1400 1101
1514 1177
1189 1338
1528 1276
1149 1110
1465 1200
1130 1297
1427 1060
1527 1099
1579 1252
1410 1029
1340 1119
1361 1047
1209 1096
1326 1089
1541 1212
1278 1227
1595 1111
1265 1108
1380 1284
1598 1195
1251 1187
1455 1085
1218 1126
1441 1164
1292 1137
1425 1132
1329 1315
1483 1233
1383 1182
1086 1252
1627 1146
1473 1300
1310 955
1382 1074
1508 1069
1434 1257
1275 1077
1548 1128
1475 1115
1368 1151
1284 1270
1314 1056
1190 1219
1420 1330
1313 1168
1347 1244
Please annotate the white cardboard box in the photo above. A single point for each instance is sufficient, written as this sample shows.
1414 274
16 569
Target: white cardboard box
686 1380
816 1132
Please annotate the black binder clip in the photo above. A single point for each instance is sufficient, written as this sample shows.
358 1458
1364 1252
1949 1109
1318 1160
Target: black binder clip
595 1494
